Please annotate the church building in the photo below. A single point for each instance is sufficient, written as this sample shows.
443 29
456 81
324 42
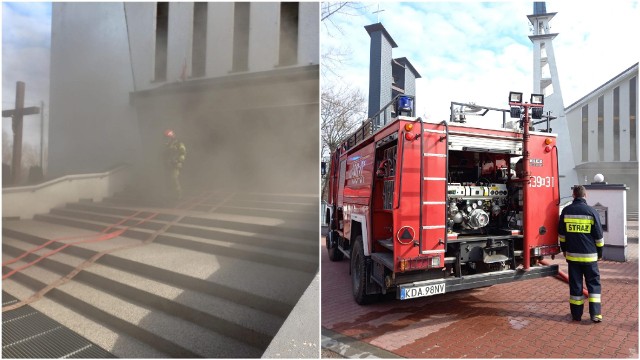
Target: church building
237 82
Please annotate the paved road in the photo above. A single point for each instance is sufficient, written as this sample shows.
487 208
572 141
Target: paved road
528 319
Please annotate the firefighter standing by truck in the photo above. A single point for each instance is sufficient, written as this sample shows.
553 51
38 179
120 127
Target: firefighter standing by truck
175 153
581 240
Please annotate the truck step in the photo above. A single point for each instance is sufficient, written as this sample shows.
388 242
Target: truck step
386 243
385 259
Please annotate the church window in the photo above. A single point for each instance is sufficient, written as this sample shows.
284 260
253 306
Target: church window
585 133
162 38
633 111
616 124
241 20
601 128
199 45
289 33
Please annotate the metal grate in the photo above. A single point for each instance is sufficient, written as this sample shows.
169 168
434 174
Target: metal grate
27 333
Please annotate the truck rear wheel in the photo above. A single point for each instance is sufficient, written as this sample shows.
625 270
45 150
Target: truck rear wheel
332 246
359 273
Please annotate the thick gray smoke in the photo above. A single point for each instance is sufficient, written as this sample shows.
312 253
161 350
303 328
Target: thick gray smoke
243 130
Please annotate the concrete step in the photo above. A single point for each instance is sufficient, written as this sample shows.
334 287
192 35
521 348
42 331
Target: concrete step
268 235
277 258
169 334
110 209
236 233
274 251
292 198
246 282
251 224
108 220
276 205
72 222
119 344
225 281
223 316
277 214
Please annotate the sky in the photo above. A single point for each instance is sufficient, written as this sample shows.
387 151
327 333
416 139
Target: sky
465 51
26 43
479 51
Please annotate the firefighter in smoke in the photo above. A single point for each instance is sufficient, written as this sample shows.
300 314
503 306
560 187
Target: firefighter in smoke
175 153
581 240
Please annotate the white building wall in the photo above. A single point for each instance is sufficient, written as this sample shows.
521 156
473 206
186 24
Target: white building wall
593 130
264 45
623 171
625 137
219 39
574 123
141 24
308 39
608 125
180 39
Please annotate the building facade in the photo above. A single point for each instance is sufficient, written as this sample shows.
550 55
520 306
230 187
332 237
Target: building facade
238 82
604 127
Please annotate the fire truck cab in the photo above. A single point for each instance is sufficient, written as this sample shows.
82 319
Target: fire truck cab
423 208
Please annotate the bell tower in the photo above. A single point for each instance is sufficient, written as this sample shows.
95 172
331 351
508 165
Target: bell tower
546 81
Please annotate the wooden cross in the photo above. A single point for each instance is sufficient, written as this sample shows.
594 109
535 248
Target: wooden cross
16 116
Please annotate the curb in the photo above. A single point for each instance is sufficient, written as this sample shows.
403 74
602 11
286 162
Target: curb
352 348
298 336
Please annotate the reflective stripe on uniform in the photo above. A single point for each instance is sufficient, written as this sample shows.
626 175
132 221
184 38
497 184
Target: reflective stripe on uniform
579 219
594 298
561 238
582 257
576 300
600 242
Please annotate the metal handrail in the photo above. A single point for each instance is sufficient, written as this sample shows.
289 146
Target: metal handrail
368 127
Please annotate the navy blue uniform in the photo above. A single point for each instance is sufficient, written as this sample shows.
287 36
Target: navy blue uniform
581 237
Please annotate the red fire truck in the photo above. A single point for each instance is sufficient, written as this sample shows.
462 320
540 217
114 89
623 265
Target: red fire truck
424 208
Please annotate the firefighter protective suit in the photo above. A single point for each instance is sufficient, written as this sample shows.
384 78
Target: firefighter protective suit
175 155
581 239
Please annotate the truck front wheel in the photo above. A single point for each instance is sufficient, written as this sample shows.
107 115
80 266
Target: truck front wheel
332 246
359 273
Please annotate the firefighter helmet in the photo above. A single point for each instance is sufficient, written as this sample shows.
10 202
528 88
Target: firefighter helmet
169 133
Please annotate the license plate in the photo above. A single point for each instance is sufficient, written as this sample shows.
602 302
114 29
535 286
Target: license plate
420 291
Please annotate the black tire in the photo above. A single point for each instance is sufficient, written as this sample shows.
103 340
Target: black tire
332 246
358 273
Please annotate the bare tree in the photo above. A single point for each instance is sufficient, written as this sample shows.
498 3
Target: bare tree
343 107
343 7
342 110
333 57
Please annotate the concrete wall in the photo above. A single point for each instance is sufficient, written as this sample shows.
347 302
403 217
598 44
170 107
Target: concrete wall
26 201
